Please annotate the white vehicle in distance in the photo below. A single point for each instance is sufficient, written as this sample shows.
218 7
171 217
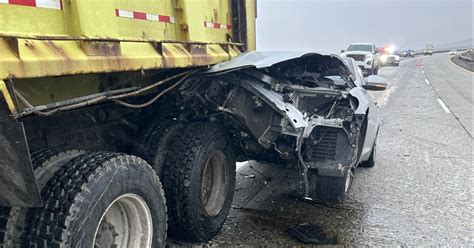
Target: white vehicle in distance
453 52
389 56
366 56
390 59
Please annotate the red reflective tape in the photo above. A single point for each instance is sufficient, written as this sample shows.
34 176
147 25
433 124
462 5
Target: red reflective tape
164 18
46 4
143 16
31 3
217 25
139 15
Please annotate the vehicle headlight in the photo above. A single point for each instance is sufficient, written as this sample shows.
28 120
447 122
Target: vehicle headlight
369 56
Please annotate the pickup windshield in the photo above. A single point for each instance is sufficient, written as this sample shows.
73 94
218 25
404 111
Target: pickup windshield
355 47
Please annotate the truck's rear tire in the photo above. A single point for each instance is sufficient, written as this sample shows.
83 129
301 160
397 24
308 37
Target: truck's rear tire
199 182
100 200
45 163
334 189
156 142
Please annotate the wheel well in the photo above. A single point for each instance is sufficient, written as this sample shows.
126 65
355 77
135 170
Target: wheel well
363 132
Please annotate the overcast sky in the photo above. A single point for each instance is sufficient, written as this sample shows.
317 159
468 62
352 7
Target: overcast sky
330 25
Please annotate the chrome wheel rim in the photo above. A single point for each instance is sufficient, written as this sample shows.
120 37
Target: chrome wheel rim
126 222
214 183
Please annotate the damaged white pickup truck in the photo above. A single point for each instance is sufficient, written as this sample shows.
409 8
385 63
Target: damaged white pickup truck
307 111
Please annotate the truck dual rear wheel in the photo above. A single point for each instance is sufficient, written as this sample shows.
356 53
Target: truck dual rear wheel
199 181
45 163
100 200
156 141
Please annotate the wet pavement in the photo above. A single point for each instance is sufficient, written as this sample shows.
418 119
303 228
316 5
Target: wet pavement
420 191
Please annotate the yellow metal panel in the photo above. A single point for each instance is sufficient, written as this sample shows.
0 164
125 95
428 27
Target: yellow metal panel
195 12
89 19
25 20
23 58
86 36
250 7
8 98
233 51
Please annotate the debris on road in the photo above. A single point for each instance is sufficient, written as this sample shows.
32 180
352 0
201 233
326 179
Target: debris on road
312 234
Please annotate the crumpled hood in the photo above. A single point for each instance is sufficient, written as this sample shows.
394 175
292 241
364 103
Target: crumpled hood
260 60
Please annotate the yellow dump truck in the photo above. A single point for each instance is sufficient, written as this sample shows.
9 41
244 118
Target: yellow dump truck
83 84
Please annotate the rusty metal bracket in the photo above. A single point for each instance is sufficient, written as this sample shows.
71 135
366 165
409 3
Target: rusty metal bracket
17 180
8 98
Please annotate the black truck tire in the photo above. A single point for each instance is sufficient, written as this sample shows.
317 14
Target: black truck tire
199 182
45 163
156 142
334 189
371 161
100 199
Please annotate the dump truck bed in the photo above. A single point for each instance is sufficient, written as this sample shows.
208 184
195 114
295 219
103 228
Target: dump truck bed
57 54
40 38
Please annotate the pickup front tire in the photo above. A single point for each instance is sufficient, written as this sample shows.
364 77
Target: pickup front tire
371 161
334 189
199 182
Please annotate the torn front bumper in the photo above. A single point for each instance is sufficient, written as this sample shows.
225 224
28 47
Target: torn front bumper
17 180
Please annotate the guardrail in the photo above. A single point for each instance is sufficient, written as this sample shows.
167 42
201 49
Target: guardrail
466 56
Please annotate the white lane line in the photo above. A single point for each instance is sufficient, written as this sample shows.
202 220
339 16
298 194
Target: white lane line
427 82
423 72
443 105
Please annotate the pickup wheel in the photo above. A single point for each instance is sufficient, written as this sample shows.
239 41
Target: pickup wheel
334 189
100 200
199 181
45 163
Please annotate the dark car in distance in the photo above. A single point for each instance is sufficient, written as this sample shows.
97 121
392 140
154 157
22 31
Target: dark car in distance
409 53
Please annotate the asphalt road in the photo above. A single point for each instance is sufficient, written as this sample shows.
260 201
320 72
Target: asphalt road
419 193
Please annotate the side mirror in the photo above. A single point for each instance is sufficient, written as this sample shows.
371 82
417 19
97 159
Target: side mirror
342 51
375 83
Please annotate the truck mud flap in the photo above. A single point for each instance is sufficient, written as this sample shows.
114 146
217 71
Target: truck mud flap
17 180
